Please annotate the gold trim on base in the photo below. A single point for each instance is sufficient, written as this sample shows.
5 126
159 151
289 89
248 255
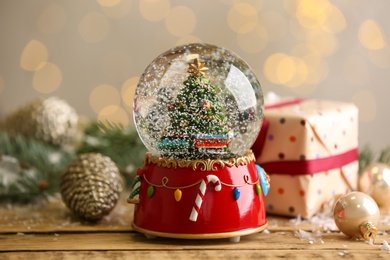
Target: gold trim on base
203 165
238 233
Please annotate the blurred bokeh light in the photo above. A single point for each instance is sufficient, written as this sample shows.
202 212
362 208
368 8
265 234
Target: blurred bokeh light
114 114
366 102
154 10
94 27
371 35
92 53
34 56
47 78
180 21
102 96
116 9
128 91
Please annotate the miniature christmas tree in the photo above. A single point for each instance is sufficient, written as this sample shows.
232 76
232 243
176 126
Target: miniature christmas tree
197 126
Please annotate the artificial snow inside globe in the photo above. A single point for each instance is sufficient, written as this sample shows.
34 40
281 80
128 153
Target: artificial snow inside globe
198 109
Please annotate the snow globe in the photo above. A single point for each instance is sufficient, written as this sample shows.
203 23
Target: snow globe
198 109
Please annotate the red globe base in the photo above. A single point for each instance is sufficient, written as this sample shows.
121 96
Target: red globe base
178 201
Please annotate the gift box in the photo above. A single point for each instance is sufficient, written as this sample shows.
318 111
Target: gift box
309 149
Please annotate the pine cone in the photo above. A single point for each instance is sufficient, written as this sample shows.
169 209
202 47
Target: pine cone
91 186
51 120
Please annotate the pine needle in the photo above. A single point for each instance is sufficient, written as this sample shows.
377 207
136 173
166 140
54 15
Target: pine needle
384 156
34 168
40 165
122 144
107 126
366 157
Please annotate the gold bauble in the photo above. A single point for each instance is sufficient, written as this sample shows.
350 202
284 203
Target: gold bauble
51 120
375 181
91 186
357 215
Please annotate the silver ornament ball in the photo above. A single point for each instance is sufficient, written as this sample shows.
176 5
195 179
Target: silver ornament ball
51 120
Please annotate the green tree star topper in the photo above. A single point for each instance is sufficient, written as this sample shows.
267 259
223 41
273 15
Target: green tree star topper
198 128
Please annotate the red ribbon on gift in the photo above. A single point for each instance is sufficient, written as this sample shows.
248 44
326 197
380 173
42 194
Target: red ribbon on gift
257 147
311 166
300 167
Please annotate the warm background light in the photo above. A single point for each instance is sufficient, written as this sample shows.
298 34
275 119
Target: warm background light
114 115
188 39
92 53
380 58
102 96
94 27
366 102
356 71
108 3
242 17
253 41
116 65
52 19
371 35
47 79
33 55
128 91
154 10
116 9
271 20
2 83
180 21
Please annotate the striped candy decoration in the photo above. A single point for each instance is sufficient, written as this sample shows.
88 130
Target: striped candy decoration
135 189
201 193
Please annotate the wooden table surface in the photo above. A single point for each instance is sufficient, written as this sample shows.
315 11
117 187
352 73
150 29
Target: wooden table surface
49 231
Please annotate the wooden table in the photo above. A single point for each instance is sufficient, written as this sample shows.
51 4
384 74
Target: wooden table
49 231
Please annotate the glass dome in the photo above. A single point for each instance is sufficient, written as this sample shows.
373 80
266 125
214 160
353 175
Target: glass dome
198 101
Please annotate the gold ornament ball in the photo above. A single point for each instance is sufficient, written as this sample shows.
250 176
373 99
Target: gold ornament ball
375 181
356 214
91 186
51 120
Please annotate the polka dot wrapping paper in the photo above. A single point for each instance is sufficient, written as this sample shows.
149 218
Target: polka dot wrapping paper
309 149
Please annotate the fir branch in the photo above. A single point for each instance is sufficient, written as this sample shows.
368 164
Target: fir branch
384 156
25 189
39 166
120 143
108 126
366 157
